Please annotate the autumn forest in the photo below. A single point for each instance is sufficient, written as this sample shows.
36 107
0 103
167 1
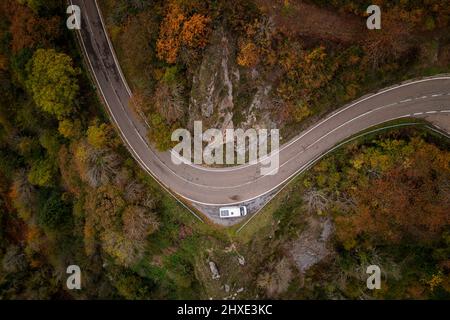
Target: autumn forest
71 193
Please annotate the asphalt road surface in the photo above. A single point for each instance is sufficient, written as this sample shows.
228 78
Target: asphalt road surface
209 187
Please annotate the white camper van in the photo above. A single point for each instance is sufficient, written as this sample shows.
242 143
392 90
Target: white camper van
232 212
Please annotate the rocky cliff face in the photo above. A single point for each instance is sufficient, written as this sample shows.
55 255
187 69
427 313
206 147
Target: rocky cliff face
224 95
212 99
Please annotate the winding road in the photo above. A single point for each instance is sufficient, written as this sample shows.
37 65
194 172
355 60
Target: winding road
209 187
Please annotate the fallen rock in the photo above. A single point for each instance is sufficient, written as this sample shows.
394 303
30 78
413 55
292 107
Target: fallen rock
214 270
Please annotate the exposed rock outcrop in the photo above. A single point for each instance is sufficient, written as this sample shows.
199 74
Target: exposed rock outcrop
212 89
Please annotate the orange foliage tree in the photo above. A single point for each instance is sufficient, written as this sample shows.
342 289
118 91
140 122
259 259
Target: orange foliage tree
195 31
248 55
408 201
168 43
177 30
